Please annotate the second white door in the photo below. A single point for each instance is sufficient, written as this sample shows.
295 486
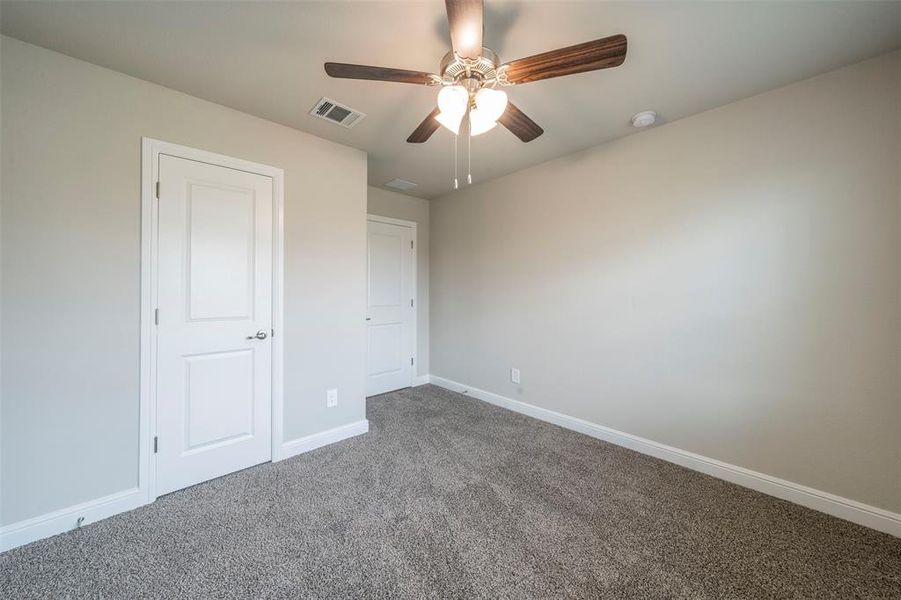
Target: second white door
214 350
390 304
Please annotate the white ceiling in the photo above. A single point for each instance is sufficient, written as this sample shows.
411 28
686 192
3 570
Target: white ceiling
265 58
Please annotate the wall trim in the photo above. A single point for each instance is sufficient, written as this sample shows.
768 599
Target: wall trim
831 504
66 519
421 380
324 438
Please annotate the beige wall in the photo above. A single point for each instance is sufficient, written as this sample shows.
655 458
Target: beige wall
728 284
391 204
71 138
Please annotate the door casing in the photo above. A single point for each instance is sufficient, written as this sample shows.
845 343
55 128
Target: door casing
414 334
151 150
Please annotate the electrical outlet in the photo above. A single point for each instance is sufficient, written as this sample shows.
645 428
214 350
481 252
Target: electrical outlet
331 398
514 375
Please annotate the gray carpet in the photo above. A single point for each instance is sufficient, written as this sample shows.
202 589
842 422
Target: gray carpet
448 497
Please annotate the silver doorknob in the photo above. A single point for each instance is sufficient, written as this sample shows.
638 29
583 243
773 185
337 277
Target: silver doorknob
261 335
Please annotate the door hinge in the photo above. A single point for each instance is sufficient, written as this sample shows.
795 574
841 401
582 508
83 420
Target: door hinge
156 316
411 302
157 189
156 445
411 360
411 244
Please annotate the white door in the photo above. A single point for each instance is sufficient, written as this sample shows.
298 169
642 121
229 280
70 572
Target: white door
391 313
214 351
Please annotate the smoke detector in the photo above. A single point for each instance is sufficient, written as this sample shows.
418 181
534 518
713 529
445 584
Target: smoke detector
644 119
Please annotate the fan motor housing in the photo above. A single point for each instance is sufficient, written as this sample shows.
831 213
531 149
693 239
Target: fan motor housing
484 68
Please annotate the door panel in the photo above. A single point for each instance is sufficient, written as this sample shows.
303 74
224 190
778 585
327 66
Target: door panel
386 348
218 398
386 268
221 252
214 378
390 308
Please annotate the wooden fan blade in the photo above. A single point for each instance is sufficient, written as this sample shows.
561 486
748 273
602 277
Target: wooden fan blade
517 122
598 54
465 20
425 129
347 71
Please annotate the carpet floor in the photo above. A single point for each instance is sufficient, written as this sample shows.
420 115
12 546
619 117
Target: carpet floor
448 497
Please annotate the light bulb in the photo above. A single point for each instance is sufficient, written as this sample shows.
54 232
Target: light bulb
480 121
450 120
452 99
492 103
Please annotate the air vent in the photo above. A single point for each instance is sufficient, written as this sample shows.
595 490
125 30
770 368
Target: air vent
400 184
336 113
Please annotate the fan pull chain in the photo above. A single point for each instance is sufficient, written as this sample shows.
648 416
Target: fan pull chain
456 183
469 155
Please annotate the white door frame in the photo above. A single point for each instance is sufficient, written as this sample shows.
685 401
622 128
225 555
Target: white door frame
150 151
414 333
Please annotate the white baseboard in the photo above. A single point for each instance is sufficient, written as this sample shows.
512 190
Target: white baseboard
60 521
421 380
323 438
66 519
43 526
837 506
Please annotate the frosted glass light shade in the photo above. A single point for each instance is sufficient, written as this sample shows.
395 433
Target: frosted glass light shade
451 121
492 103
453 102
452 99
480 121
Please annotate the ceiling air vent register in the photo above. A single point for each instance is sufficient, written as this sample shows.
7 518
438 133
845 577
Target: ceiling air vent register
401 184
335 112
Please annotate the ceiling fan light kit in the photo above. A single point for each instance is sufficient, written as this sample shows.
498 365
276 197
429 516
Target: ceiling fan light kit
470 75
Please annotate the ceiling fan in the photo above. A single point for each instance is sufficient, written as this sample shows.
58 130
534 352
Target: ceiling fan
470 75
